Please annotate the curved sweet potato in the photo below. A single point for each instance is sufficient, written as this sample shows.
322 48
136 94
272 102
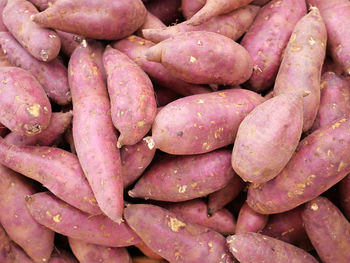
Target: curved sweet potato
250 221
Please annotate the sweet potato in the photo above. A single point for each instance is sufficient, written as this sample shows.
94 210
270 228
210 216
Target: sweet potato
150 22
58 170
196 212
190 7
42 4
43 44
301 66
90 253
232 25
51 75
202 123
63 257
69 221
24 109
184 178
254 247
104 19
6 255
335 100
168 11
196 58
321 160
267 38
250 221
135 160
344 195
135 48
147 251
69 42
328 230
93 132
2 6
133 105
222 197
4 62
35 239
20 255
273 129
174 239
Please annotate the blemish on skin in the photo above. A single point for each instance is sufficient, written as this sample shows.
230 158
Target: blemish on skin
256 67
44 55
314 207
150 142
34 110
130 240
199 114
140 123
312 41
180 133
142 43
222 94
200 101
194 185
182 189
48 213
192 59
175 224
52 36
57 218
210 245
199 43
341 165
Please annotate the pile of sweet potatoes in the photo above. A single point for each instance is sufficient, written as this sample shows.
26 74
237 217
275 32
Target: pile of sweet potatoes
181 131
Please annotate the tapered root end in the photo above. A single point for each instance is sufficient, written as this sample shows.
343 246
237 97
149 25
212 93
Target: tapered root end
40 19
154 53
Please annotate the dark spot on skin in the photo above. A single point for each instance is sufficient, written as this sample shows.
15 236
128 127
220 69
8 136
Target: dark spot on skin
180 133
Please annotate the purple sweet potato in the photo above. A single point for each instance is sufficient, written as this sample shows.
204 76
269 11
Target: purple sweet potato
344 195
133 105
321 160
90 253
190 7
168 11
135 48
222 197
20 255
6 255
183 178
254 247
35 239
196 60
335 99
151 22
232 25
51 75
267 38
24 109
250 221
301 66
216 7
196 212
147 251
273 129
174 239
2 6
43 44
104 19
69 42
328 230
135 159
58 170
69 221
62 257
93 132
202 123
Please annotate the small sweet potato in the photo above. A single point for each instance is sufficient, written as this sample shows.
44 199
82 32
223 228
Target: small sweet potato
6 255
254 247
202 123
344 195
69 221
250 221
301 66
168 11
328 230
321 160
104 19
174 239
190 7
90 253
183 178
69 42
196 60
43 44
151 22
24 109
135 48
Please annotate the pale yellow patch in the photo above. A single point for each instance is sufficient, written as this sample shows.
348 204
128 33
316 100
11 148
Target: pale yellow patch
175 224
57 218
34 110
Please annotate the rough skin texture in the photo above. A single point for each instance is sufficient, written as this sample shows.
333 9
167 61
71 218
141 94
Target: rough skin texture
328 230
202 123
301 66
250 221
202 57
69 221
24 109
321 160
253 248
104 19
173 238
267 38
184 178
190 7
93 132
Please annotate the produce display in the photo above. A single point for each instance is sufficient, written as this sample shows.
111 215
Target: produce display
174 131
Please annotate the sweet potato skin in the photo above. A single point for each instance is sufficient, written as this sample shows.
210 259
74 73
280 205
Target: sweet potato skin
196 60
190 7
254 247
150 22
93 132
321 160
104 19
328 230
147 251
71 222
51 75
25 109
303 57
19 254
267 38
208 118
43 44
184 178
90 253
155 225
3 28
6 255
69 42
250 221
